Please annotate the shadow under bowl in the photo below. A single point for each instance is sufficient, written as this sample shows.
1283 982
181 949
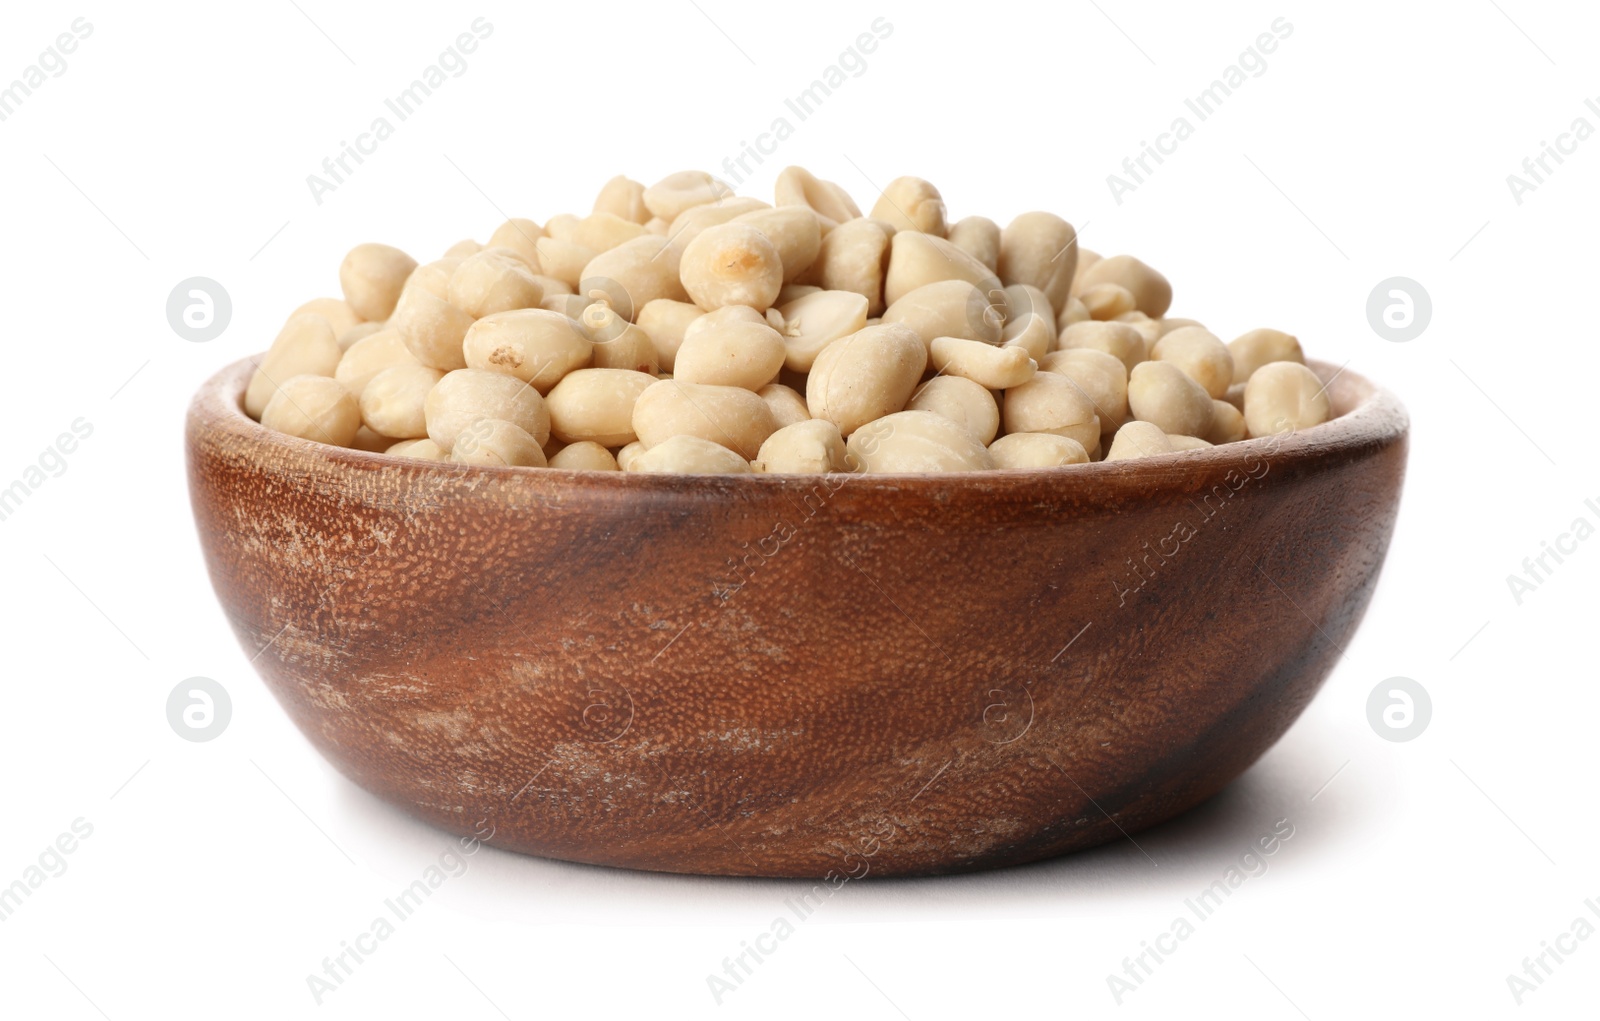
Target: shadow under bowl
767 675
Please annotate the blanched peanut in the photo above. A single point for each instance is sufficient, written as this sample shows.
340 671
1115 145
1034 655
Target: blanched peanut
496 443
676 192
564 260
425 450
338 313
794 231
392 401
627 453
888 228
584 456
917 259
731 264
1074 311
305 346
688 455
359 331
1149 329
1227 423
1052 403
1032 333
813 321
596 405
732 416
569 305
560 226
1284 397
1138 439
466 395
867 375
618 344
493 280
797 186
530 344
1150 289
314 408
979 237
961 401
910 203
551 286
433 277
1102 378
694 221
622 197
1202 357
915 441
810 446
1162 394
602 232
631 349
732 346
917 340
635 273
1041 250
1086 258
433 328
1116 339
1262 347
786 404
521 236
1036 450
947 308
371 442
667 321
852 258
1019 300
1170 323
1107 301
998 368
371 277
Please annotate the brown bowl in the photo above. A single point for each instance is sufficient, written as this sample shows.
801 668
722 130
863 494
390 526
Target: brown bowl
767 675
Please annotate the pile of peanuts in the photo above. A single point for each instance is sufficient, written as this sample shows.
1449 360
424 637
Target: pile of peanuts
681 328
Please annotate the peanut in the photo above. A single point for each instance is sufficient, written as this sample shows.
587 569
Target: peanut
915 441
689 455
732 264
305 346
314 408
865 376
372 276
1036 450
466 395
810 446
1284 397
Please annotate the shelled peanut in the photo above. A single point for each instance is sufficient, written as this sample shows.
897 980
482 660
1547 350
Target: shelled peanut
679 328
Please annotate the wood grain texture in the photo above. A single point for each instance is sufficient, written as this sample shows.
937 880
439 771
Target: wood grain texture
787 675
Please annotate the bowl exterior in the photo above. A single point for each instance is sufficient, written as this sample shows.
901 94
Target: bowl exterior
796 676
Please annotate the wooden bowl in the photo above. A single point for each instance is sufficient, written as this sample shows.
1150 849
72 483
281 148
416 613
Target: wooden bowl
763 675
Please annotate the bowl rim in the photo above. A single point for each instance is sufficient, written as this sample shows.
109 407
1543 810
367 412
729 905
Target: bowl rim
1369 417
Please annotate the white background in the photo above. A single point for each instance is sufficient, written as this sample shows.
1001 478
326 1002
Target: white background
1376 143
